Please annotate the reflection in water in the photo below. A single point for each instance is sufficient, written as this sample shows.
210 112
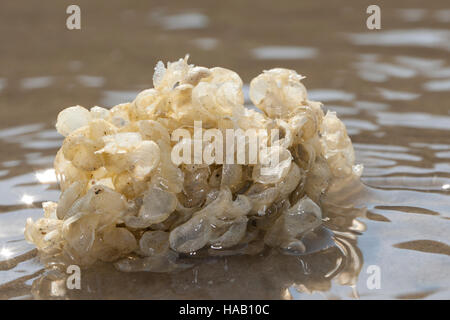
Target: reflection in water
27 199
441 85
397 95
266 276
412 15
46 176
206 43
380 72
425 246
326 95
332 255
422 65
432 38
112 98
91 81
443 15
414 120
5 253
36 82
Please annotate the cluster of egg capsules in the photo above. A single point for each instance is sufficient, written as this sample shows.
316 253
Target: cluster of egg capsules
123 198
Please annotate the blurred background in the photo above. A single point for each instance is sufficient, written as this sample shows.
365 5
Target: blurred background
390 86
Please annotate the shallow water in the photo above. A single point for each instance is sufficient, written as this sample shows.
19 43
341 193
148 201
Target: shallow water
391 87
